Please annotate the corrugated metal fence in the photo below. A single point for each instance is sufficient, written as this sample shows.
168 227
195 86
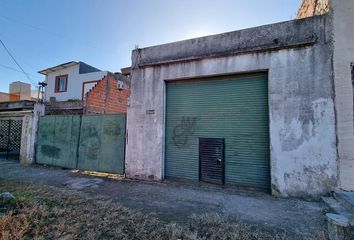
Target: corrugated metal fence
89 142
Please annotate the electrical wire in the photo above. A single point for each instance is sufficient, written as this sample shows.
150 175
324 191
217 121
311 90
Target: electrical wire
14 59
54 34
10 68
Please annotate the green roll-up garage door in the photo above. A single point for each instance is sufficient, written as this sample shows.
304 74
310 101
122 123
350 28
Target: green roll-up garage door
233 108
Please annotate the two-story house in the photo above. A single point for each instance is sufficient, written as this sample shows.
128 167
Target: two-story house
70 81
78 88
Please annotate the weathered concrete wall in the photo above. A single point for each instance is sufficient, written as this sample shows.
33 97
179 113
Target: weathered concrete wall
297 56
29 134
343 58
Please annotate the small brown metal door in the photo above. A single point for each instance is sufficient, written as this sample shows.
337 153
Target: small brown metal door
211 160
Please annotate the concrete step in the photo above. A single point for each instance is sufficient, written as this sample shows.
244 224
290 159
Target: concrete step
336 207
339 227
333 205
346 199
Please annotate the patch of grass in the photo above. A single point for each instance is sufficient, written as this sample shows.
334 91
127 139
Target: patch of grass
20 193
51 213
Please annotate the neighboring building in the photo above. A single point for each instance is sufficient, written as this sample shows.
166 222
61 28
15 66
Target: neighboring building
310 8
70 81
107 96
21 89
343 75
343 71
269 107
18 91
6 97
18 128
78 88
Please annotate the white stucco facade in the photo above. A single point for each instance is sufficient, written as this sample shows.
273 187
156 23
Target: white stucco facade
74 83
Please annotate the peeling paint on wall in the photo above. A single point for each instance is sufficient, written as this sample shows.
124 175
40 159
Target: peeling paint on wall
309 169
301 106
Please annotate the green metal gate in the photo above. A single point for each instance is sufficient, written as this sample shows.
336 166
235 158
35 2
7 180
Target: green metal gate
102 143
89 142
233 108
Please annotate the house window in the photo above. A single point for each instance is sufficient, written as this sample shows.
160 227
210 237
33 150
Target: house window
61 83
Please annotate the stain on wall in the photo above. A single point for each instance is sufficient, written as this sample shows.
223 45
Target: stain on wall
112 129
301 106
86 142
50 151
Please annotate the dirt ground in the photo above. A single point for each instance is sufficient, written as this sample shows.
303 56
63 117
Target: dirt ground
176 203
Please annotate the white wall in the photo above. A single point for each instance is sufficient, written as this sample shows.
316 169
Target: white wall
88 86
29 134
343 20
75 80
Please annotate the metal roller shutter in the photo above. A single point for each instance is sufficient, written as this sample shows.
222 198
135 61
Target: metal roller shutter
233 108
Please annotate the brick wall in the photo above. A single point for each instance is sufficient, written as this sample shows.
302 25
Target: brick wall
105 97
311 8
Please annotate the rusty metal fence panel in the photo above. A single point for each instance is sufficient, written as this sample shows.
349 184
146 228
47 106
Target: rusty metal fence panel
89 142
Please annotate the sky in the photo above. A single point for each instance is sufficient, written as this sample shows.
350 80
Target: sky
45 33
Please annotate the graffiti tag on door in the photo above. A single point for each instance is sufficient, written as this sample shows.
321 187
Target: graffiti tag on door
183 130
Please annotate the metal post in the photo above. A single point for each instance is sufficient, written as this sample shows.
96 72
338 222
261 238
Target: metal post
8 140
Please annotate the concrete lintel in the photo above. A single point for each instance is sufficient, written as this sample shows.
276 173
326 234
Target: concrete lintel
260 49
285 35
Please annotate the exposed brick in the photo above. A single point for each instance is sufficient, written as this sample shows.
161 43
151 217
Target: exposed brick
98 100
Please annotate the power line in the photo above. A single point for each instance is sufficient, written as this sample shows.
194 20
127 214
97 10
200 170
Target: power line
88 44
24 63
12 69
13 58
28 25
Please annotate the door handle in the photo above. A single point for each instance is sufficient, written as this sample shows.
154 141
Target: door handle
219 161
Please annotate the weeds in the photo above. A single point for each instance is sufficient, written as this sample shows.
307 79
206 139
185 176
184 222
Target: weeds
51 213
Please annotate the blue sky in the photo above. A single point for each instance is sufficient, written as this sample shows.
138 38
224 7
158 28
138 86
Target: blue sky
102 33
